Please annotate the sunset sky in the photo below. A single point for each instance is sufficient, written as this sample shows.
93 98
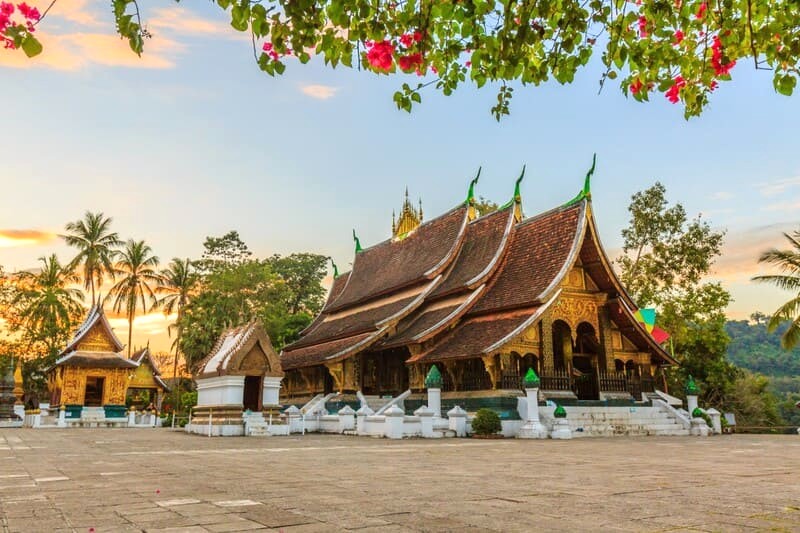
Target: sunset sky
193 140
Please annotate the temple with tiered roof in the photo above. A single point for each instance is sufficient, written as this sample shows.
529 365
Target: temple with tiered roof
484 297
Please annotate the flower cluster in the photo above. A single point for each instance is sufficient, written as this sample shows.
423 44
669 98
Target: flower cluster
673 93
380 55
717 60
269 49
10 28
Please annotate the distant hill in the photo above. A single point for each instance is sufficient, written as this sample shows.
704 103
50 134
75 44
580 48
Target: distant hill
754 348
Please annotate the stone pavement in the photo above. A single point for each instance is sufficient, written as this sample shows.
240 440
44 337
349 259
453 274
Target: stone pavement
157 480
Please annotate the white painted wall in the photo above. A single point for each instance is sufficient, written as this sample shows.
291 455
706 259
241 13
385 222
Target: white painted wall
221 390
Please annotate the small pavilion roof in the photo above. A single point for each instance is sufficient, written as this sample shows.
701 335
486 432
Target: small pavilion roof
96 315
95 360
232 345
145 356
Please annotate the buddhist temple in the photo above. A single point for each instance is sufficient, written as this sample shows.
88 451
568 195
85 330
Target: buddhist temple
484 297
241 374
91 372
146 387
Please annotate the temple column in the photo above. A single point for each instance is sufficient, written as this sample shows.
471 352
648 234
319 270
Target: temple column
547 357
606 341
491 366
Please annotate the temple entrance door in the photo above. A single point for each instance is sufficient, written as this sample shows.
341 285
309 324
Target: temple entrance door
93 396
251 396
585 378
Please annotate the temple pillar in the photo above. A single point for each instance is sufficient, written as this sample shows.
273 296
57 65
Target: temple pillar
547 362
336 370
606 341
492 368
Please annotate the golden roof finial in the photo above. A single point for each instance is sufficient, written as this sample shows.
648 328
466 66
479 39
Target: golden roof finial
408 220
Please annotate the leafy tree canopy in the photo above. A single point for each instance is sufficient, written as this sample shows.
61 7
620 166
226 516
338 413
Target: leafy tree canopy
682 49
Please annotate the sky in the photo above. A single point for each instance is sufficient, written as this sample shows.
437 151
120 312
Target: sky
193 140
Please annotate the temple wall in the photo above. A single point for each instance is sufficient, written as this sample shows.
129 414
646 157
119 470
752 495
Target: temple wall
71 384
222 390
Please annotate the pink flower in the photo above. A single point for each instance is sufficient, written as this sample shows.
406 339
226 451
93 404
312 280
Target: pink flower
267 47
417 36
678 37
468 64
643 27
407 40
717 58
6 8
673 93
30 13
701 11
410 62
636 86
380 55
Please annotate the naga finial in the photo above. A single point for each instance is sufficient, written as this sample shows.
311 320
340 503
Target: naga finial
335 268
471 194
586 192
358 242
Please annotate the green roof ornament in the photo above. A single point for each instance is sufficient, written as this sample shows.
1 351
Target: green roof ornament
335 268
434 379
358 242
560 412
691 387
586 192
531 380
517 198
471 193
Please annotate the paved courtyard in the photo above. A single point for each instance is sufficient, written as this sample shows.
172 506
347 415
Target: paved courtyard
153 480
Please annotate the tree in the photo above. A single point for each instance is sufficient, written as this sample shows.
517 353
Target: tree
139 278
681 48
665 259
47 305
485 206
96 245
788 262
222 252
303 274
178 282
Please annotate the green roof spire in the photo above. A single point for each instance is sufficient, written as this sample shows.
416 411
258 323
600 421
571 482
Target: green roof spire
691 387
434 379
335 268
531 380
471 194
586 192
517 198
358 242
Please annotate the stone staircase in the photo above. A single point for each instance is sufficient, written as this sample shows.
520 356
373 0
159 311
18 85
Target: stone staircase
622 421
255 424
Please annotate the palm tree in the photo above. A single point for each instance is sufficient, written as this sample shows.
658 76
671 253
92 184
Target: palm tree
96 245
48 303
788 261
136 267
178 283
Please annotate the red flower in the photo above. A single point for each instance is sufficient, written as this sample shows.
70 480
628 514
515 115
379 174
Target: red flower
410 62
417 36
6 8
468 64
717 58
713 85
380 55
673 93
678 37
701 11
267 47
30 13
636 86
407 40
643 26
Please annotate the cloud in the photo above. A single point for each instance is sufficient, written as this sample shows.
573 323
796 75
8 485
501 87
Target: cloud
181 21
741 250
76 11
777 187
320 92
783 206
24 237
75 51
722 195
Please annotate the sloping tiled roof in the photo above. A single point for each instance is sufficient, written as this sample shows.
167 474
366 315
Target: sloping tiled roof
95 360
144 355
475 337
538 257
333 327
394 264
484 243
319 353
96 315
230 343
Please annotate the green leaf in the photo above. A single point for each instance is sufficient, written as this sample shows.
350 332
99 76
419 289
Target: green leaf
31 46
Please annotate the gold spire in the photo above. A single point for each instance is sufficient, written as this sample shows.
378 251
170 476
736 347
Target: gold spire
409 219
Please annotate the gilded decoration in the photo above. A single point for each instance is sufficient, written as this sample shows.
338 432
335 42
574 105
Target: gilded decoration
574 310
255 361
142 378
336 370
416 376
115 385
410 219
96 340
491 366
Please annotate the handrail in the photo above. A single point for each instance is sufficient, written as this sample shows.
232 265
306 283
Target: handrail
362 400
393 401
312 406
684 420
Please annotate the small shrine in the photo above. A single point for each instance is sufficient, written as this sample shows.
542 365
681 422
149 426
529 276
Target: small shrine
90 378
241 375
146 388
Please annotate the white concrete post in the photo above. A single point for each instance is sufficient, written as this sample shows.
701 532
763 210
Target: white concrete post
433 382
561 429
426 421
131 417
458 421
533 427
271 391
361 418
62 417
716 423
293 419
394 422
691 404
347 419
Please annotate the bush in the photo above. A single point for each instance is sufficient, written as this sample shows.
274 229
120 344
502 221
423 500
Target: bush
486 422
